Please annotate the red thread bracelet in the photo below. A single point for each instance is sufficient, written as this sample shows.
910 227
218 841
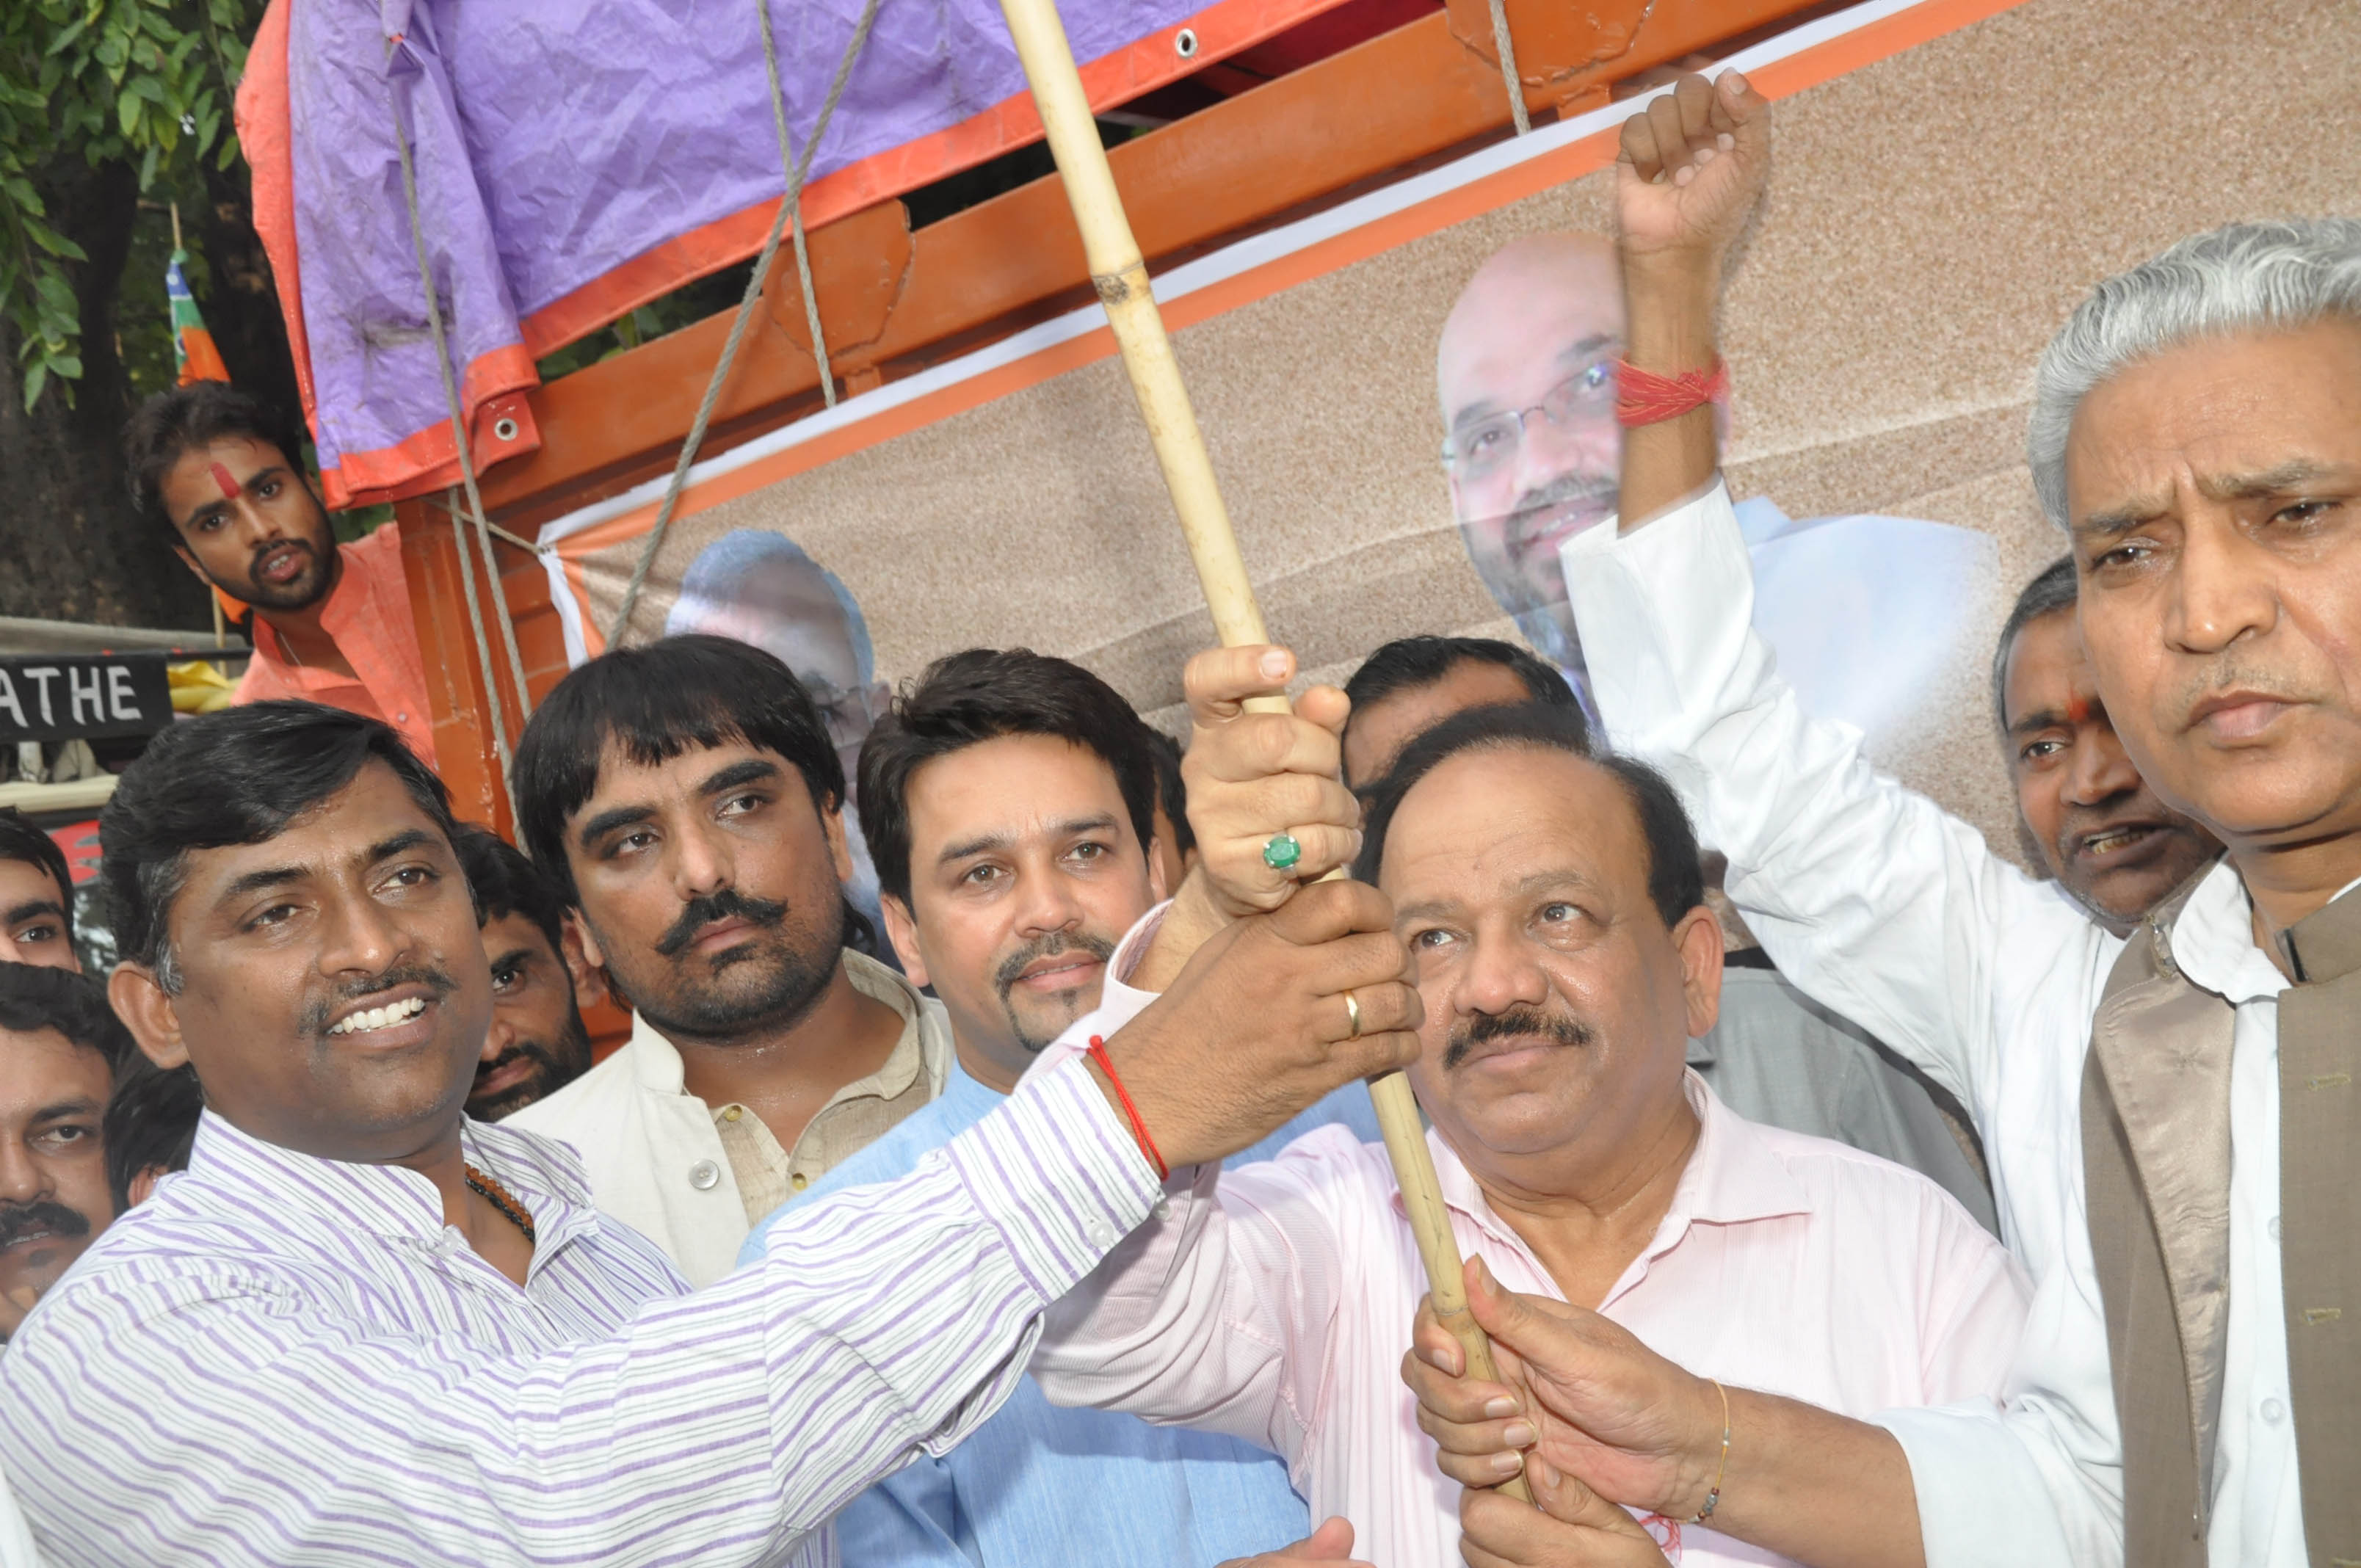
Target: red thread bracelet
1643 397
1138 1128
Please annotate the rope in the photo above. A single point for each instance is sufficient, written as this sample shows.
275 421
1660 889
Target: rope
790 211
1506 48
450 503
467 475
500 596
483 648
795 187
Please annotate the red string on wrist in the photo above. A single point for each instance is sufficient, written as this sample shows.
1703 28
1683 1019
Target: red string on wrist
1138 1128
1643 397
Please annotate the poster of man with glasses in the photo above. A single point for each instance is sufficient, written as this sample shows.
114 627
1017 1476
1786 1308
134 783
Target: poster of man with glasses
1870 616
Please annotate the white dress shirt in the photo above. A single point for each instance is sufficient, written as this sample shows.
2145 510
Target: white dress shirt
1882 907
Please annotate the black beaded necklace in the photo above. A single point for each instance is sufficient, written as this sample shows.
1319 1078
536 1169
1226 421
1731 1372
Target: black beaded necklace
500 1198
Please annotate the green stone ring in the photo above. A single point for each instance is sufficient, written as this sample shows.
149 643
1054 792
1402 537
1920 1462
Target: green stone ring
1281 852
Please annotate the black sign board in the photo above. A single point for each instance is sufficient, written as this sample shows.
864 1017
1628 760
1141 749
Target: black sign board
82 696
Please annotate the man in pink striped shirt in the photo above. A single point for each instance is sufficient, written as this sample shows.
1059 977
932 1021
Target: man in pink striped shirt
1550 902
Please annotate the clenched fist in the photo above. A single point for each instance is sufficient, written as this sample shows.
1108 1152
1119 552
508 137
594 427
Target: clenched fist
1257 1025
1692 166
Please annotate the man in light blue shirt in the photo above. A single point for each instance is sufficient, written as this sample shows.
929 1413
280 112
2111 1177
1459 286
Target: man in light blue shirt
1008 799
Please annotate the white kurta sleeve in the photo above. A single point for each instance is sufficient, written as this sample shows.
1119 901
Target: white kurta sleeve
1897 915
1869 897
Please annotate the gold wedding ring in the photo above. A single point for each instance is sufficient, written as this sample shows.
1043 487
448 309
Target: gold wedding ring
1353 1015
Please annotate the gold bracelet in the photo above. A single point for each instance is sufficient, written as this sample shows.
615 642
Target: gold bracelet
1713 1498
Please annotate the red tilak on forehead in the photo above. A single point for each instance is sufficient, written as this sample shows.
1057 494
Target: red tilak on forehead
228 485
2078 710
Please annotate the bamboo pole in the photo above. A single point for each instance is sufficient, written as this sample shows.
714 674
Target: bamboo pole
1120 275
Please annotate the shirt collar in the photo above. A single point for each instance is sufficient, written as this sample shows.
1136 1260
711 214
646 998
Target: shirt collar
1731 1178
2214 941
391 1199
965 1093
924 1046
920 1048
655 1060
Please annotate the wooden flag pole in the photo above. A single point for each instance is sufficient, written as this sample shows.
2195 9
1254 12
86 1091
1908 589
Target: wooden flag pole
1120 275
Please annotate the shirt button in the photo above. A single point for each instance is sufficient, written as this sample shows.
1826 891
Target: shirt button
2274 1227
1101 1232
2274 1412
800 1180
1163 1210
732 1114
704 1175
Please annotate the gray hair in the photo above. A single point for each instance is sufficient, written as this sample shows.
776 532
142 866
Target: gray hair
2241 278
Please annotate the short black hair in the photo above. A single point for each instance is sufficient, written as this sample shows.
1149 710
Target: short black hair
981 695
20 840
2053 590
237 776
1409 663
656 702
1171 789
35 996
168 424
150 1122
505 883
1675 881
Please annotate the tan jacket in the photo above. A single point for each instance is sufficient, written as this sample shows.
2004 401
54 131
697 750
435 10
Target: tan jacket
2156 1153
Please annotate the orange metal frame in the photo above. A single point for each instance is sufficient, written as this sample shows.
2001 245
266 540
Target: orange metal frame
894 301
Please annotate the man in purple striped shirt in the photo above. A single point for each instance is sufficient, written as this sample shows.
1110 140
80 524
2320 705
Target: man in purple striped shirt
363 1329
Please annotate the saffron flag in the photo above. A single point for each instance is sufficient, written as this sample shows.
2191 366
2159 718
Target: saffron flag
193 345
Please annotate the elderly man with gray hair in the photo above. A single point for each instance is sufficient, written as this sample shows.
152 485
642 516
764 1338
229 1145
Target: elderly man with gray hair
2174 1118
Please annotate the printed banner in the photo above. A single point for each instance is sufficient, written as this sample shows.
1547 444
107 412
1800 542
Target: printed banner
78 698
1408 397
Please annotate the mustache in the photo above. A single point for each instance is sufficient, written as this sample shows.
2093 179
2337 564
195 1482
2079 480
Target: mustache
706 908
319 1011
1012 968
1517 1022
2131 807
18 1220
272 546
523 1050
2235 675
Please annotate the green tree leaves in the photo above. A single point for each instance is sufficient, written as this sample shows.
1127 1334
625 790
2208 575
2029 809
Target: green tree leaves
143 82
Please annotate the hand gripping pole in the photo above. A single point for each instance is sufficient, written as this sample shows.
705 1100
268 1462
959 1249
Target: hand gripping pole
1120 276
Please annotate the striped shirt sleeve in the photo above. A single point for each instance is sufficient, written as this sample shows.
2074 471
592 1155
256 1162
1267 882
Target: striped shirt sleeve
199 1409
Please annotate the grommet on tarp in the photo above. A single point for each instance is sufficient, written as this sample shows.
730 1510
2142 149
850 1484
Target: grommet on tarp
1184 43
504 430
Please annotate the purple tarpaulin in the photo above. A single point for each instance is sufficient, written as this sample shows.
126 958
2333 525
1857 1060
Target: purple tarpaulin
576 156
